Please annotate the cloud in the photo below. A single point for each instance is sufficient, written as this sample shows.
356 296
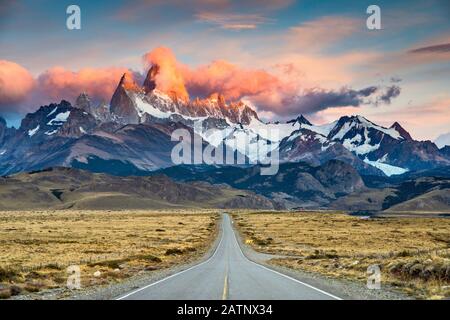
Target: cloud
58 83
421 55
316 99
16 83
229 79
323 32
185 10
20 92
281 89
389 94
219 76
232 21
281 93
396 79
170 78
438 48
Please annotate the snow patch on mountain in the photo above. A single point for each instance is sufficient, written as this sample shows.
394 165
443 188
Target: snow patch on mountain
51 132
254 146
32 132
274 132
324 129
59 119
144 107
354 145
215 137
52 112
389 131
388 169
344 129
361 122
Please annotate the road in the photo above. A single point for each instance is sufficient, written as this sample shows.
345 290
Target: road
228 275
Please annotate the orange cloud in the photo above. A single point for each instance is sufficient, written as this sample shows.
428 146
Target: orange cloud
229 79
58 83
16 83
282 93
219 76
170 77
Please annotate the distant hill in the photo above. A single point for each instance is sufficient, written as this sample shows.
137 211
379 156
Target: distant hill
63 188
427 194
295 184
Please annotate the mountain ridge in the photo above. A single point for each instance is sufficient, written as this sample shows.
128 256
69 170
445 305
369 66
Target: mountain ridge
125 131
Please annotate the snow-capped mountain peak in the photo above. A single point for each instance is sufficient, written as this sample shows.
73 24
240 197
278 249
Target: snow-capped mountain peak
300 120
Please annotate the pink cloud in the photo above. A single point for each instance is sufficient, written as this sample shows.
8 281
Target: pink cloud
58 83
283 93
219 76
16 83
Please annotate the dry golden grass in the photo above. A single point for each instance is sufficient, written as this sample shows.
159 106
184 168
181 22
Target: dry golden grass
37 247
413 253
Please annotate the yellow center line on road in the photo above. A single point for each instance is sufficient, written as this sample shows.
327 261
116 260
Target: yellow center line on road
225 286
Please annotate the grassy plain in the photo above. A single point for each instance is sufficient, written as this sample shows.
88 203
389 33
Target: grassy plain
413 253
36 247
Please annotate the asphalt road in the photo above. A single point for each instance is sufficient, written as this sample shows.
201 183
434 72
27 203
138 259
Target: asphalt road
228 275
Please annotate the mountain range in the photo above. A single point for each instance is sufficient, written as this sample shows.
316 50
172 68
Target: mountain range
332 185
350 164
132 135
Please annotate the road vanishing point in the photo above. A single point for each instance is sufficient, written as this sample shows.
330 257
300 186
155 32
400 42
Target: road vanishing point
228 275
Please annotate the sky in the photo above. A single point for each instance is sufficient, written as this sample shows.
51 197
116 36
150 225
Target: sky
283 57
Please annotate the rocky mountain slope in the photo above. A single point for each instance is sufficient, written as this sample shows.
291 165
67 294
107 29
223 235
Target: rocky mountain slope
295 184
333 185
425 194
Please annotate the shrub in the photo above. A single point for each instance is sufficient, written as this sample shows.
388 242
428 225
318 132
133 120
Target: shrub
15 290
7 274
322 255
5 293
149 257
32 287
415 270
173 251
404 253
